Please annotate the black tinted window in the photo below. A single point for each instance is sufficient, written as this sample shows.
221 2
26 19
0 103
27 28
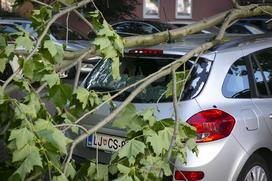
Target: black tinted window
145 28
236 84
237 29
59 32
264 59
133 69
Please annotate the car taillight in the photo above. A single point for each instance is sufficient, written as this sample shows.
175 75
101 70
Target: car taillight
212 125
189 175
146 51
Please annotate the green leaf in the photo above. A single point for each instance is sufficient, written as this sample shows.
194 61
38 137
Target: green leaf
102 173
128 118
23 84
148 114
131 149
60 94
51 47
191 144
91 170
3 62
124 178
22 137
98 172
186 130
24 110
71 172
119 44
106 30
165 137
110 52
2 41
21 154
27 166
156 145
46 131
102 42
58 58
9 49
69 118
123 169
1 92
51 79
24 41
82 96
61 177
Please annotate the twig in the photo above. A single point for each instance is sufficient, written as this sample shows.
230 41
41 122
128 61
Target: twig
235 4
42 3
80 16
67 28
78 68
72 125
176 110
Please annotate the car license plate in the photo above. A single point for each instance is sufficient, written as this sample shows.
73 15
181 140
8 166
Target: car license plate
105 142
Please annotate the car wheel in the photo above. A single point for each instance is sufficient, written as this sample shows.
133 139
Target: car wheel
255 169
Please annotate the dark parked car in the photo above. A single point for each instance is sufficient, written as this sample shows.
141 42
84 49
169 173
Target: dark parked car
138 27
241 28
264 23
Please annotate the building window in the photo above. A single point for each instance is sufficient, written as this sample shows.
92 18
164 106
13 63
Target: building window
183 9
151 8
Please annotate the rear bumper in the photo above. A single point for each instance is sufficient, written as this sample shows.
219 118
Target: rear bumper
219 160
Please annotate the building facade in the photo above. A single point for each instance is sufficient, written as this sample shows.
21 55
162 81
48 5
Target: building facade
180 11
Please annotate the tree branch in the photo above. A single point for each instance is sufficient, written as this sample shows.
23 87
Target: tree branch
176 110
235 4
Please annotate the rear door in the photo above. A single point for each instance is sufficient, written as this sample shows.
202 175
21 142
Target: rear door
261 62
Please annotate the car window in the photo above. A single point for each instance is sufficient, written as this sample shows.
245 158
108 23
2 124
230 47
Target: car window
259 79
59 32
264 59
143 28
4 28
133 69
126 27
237 29
236 83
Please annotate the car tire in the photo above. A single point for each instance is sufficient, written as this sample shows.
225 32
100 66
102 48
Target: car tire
255 164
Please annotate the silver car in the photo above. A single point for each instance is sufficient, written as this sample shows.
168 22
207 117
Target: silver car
228 98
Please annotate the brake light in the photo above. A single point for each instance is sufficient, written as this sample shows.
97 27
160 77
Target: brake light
189 175
212 125
146 51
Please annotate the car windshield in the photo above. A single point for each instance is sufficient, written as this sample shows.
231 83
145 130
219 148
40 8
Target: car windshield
164 26
59 32
133 69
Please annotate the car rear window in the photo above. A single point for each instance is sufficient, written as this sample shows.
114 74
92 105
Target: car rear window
133 69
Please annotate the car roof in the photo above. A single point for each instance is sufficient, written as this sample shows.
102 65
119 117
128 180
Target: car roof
191 42
160 25
13 20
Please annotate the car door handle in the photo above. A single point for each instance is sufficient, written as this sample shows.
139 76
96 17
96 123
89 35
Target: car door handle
270 116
